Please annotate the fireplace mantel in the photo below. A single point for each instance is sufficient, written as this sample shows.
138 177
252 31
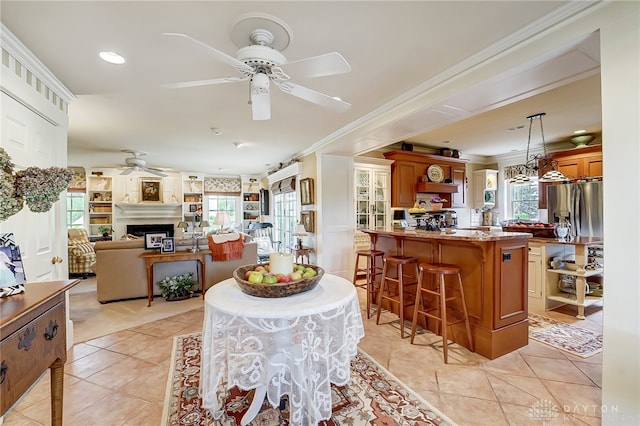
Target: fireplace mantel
149 210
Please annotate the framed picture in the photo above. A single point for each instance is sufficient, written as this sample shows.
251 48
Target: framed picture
153 240
151 190
193 208
306 191
167 245
308 219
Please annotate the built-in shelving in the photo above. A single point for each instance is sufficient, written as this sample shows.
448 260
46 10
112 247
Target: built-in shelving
100 201
250 203
192 202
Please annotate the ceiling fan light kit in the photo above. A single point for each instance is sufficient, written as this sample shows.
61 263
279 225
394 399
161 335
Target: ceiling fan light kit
262 62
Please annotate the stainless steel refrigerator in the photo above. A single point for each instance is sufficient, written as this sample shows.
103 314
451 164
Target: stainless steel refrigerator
580 204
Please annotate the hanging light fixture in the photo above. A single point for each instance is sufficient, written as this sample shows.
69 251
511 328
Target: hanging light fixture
535 162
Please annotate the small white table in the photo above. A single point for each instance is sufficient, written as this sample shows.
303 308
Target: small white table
297 345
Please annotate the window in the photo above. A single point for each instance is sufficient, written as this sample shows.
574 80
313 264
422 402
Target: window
522 200
285 218
75 209
226 203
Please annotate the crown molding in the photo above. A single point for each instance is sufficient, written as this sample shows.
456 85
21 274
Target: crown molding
27 59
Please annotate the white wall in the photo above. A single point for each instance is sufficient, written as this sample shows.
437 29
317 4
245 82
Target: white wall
620 45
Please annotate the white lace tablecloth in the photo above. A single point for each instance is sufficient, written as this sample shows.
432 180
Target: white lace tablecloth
296 345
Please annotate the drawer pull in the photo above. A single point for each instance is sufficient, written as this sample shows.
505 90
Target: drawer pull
25 341
51 331
3 371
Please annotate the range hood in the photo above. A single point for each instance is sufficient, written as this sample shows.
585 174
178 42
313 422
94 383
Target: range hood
437 188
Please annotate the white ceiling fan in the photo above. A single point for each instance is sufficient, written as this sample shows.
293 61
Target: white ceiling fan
137 164
261 63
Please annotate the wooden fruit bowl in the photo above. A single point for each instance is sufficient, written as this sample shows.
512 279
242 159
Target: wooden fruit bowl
276 289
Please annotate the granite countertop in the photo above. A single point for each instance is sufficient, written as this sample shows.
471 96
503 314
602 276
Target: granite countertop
578 241
458 235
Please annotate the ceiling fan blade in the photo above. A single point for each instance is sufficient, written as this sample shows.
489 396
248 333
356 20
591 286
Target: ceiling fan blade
317 66
127 171
310 95
153 171
221 56
203 82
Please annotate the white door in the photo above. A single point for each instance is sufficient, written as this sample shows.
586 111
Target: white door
32 140
335 220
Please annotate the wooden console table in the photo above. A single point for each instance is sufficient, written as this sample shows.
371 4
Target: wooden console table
33 330
156 257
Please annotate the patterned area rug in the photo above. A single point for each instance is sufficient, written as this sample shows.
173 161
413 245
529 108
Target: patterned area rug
567 337
373 397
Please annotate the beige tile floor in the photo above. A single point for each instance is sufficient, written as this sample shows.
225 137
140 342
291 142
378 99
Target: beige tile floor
116 373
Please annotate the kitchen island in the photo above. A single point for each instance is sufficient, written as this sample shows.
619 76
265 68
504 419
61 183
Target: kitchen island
494 277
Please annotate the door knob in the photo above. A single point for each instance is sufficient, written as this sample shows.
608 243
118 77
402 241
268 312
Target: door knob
56 259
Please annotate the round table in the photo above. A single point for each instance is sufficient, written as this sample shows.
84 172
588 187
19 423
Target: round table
297 345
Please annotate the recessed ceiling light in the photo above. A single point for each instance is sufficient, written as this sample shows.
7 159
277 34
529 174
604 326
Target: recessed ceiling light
238 144
579 132
112 58
216 131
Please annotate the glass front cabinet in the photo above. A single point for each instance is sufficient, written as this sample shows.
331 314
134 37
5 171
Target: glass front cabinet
372 194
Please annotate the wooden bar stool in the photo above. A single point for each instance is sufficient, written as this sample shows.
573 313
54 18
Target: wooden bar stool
438 309
396 295
373 269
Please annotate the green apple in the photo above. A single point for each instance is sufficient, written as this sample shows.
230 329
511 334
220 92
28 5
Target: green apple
295 276
270 279
309 272
255 277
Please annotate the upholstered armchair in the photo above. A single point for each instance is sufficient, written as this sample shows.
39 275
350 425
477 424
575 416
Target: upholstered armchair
81 253
262 235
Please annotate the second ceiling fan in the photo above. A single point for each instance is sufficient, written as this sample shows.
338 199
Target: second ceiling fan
261 63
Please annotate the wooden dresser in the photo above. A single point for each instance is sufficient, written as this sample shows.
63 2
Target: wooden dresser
33 333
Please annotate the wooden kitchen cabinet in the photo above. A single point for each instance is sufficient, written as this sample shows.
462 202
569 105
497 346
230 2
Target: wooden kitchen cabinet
578 168
407 169
404 177
576 163
459 178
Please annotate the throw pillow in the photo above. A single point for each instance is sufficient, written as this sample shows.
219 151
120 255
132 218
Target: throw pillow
263 244
80 249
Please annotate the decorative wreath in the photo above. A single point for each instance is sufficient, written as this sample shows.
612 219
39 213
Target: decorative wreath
38 188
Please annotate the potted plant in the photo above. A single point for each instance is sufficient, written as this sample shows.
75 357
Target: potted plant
104 230
177 287
436 203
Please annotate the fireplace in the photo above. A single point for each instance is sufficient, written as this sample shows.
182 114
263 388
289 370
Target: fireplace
140 230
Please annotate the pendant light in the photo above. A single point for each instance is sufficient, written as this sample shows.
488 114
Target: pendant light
535 162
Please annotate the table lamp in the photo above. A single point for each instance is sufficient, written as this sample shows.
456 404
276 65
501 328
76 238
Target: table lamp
184 225
204 224
222 220
299 232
